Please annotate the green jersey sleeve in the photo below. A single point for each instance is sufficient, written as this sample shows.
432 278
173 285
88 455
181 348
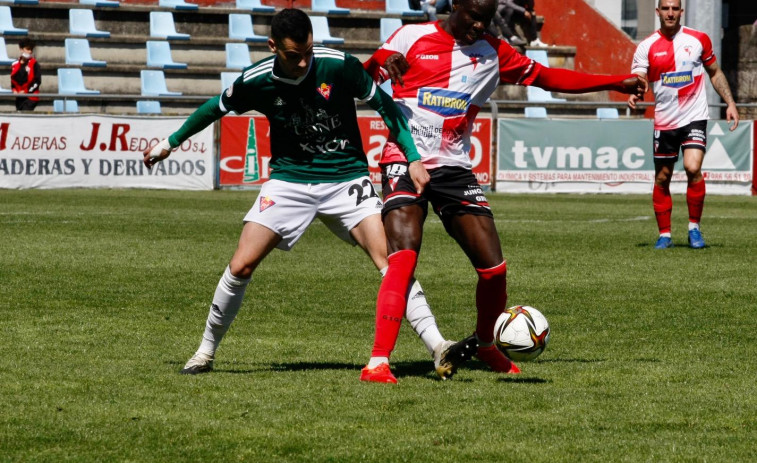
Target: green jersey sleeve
203 116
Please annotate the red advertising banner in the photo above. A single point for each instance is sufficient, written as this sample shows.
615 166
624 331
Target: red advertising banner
245 151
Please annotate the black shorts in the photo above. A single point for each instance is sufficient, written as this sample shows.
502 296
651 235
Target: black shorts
451 191
668 143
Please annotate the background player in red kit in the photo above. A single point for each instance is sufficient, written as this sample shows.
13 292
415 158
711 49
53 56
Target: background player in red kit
442 73
674 59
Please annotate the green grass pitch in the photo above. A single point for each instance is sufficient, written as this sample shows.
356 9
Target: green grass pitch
104 294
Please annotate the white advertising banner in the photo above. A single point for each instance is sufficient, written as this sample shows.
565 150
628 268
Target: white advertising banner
82 151
612 156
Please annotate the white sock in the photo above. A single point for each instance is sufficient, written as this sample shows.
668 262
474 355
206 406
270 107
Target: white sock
226 303
419 315
666 234
693 226
376 361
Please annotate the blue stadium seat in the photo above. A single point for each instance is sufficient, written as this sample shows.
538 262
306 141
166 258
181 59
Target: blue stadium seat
159 56
321 33
540 56
401 7
82 22
6 23
240 28
237 56
77 52
162 26
255 6
537 112
65 106
607 113
148 107
388 26
4 58
387 87
178 5
111 3
71 82
328 6
22 2
536 93
228 78
154 84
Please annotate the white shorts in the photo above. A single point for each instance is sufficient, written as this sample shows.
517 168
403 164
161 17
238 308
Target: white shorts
289 208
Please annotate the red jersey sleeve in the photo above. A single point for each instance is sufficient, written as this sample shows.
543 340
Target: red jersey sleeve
514 68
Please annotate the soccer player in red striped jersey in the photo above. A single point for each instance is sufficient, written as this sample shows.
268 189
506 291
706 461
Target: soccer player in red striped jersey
675 59
442 73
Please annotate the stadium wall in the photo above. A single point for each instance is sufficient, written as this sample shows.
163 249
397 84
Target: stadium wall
601 47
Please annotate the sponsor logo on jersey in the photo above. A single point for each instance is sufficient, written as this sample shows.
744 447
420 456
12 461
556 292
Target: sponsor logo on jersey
661 53
677 79
325 90
443 102
266 202
433 57
474 57
687 49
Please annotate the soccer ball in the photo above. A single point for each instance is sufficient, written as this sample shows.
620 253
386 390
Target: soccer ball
521 333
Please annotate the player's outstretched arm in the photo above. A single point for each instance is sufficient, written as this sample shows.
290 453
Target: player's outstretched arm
720 83
203 116
567 81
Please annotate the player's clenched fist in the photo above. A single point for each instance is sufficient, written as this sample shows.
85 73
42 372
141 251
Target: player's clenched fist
156 153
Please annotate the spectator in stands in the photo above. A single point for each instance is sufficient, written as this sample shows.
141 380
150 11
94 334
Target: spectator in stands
431 7
25 76
521 13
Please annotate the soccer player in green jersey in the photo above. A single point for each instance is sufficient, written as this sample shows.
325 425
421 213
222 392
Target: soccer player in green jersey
318 169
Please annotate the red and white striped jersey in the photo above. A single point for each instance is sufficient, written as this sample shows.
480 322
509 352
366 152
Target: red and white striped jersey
445 87
675 69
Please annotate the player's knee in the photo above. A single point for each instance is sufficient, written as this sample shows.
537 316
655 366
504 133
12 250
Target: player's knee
241 269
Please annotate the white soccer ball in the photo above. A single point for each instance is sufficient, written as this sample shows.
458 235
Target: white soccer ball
521 333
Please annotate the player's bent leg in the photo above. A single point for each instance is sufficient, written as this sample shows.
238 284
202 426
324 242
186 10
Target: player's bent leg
255 243
369 235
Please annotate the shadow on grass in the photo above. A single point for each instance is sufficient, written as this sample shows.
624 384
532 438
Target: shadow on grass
521 380
682 246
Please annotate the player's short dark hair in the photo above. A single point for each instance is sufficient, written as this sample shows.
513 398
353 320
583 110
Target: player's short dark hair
27 43
291 23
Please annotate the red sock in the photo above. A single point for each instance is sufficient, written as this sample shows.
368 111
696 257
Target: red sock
663 206
695 199
392 300
491 298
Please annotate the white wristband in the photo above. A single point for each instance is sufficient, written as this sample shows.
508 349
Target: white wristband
157 150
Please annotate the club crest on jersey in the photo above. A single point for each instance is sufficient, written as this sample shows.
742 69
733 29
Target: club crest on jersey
265 203
474 57
677 79
325 90
443 102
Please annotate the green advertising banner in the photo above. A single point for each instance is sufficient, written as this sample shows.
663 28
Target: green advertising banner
609 155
